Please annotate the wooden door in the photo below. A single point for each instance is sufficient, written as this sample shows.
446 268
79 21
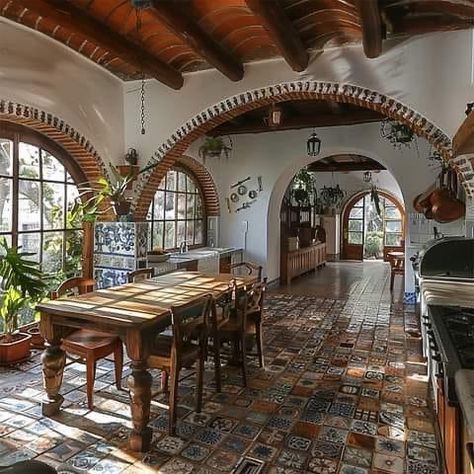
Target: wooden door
353 224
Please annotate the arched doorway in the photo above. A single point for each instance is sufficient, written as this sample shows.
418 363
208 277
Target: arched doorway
368 234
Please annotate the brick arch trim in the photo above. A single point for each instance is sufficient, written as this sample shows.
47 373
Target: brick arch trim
205 181
60 132
167 154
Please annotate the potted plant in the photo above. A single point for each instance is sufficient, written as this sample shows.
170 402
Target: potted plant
214 147
22 285
397 133
331 198
304 187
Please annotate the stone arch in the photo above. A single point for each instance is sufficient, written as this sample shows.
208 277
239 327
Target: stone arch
167 154
60 132
203 177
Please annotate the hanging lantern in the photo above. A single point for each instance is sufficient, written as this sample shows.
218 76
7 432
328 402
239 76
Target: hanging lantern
367 177
275 114
313 145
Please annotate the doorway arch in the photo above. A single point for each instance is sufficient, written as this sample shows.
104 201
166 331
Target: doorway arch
170 150
365 234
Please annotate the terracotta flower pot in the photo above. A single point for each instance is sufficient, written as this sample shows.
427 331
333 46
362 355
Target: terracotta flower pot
122 208
37 340
16 350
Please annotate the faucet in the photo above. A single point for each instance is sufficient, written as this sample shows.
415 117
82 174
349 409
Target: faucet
183 246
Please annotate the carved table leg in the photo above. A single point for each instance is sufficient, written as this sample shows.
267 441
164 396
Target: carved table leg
53 359
139 383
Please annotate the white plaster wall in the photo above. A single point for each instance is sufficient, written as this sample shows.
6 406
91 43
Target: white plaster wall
278 156
430 73
38 71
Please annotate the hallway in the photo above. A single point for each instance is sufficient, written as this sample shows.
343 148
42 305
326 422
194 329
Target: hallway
343 391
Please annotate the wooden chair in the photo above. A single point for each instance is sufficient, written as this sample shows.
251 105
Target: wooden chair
89 344
141 274
397 266
172 353
247 268
245 321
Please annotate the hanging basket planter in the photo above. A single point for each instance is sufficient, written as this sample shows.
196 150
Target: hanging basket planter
398 134
215 147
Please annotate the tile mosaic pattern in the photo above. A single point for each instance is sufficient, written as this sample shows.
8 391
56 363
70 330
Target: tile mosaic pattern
323 404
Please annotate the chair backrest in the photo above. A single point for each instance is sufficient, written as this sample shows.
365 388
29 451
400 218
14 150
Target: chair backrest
141 274
74 286
251 302
247 268
188 317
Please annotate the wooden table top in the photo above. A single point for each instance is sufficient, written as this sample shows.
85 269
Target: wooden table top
142 302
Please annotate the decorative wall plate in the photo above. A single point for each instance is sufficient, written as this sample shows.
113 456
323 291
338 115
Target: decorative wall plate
252 194
234 197
242 190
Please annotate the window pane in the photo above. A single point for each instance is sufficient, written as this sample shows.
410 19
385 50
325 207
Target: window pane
199 206
30 243
53 206
181 232
392 213
190 206
28 205
52 251
199 232
52 168
191 185
181 206
355 225
359 203
170 235
29 161
190 232
393 226
171 180
157 236
6 156
355 238
170 211
393 239
181 182
5 205
72 194
356 213
159 205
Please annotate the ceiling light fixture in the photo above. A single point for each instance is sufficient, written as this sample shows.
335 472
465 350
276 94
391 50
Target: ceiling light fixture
313 145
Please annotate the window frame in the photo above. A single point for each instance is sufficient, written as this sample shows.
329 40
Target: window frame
151 221
20 134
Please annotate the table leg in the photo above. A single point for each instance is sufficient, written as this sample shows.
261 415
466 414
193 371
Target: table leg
139 383
53 359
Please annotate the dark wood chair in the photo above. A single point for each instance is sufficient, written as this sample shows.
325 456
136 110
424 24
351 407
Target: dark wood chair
247 268
141 274
88 344
186 345
28 467
246 321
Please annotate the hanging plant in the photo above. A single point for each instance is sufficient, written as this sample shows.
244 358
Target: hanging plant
375 198
303 187
331 198
398 134
215 147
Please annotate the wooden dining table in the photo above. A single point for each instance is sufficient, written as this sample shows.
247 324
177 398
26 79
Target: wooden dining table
136 312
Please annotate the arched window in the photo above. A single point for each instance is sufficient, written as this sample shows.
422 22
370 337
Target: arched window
37 187
177 213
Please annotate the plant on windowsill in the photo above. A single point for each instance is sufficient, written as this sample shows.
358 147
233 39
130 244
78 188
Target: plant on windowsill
22 286
214 147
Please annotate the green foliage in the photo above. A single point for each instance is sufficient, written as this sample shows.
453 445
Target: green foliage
373 244
22 284
214 146
375 198
332 197
303 187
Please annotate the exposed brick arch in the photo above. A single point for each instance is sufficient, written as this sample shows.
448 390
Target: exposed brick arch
167 154
205 181
75 144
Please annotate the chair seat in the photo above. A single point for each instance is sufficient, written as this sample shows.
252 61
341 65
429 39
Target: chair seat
89 339
233 326
161 352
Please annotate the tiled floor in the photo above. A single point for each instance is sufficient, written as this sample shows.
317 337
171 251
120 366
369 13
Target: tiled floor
343 391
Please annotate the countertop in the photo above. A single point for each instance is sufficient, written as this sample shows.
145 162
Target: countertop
464 380
198 254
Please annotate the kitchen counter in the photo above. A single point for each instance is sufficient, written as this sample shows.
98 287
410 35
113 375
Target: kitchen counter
464 379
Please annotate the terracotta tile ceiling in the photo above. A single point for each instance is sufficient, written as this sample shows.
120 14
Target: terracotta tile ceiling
172 37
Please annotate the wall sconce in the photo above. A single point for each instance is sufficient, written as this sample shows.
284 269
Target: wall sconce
367 177
131 156
313 145
275 114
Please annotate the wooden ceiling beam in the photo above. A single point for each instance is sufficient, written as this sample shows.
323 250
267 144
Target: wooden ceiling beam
371 23
184 27
331 167
297 122
76 21
282 32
